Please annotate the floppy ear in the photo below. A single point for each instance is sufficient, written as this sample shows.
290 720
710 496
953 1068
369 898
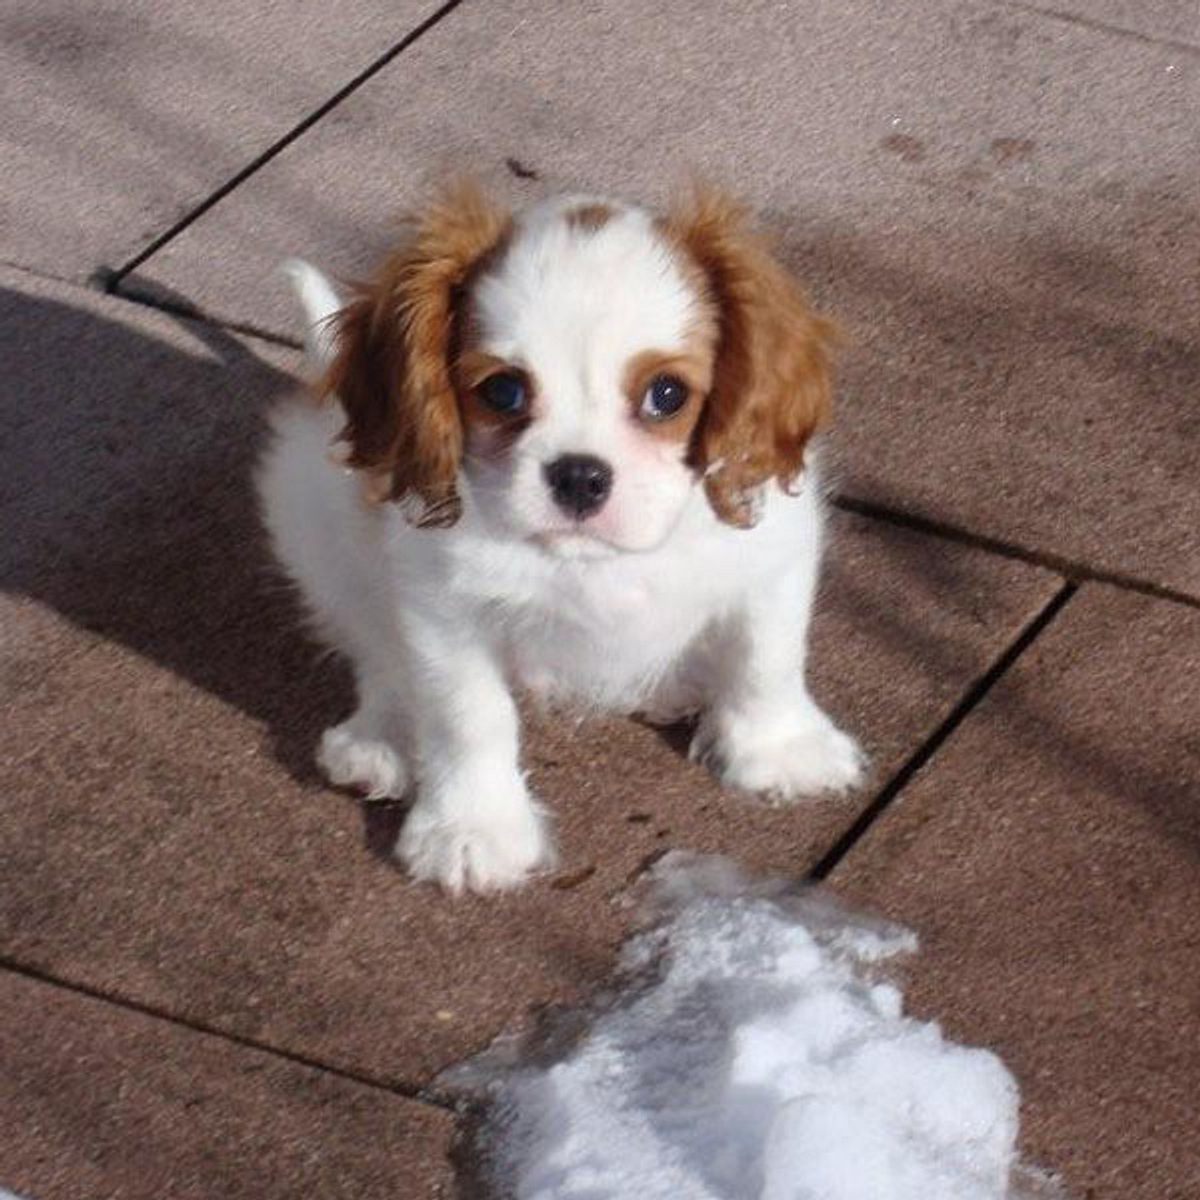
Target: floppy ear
772 377
395 342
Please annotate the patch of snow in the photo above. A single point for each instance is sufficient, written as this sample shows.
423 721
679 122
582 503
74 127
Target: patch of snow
753 1054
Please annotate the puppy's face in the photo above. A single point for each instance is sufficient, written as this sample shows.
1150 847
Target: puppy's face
578 372
586 362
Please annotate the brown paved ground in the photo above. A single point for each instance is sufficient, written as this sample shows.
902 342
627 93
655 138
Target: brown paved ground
214 982
1057 896
102 1101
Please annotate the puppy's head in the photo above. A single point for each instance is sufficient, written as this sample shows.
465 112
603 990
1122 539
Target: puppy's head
577 372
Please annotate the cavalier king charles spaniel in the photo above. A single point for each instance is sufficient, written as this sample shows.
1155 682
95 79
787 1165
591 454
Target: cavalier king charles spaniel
565 452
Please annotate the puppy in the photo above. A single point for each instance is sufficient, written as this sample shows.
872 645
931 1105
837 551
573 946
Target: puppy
567 452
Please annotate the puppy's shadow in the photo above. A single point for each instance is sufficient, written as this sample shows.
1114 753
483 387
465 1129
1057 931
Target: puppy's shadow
675 735
382 821
128 507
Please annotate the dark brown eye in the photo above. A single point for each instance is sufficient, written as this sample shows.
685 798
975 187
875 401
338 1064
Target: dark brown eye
665 396
505 393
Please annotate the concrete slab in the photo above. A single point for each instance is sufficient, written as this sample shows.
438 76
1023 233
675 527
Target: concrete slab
110 409
96 1100
167 839
1173 21
1049 858
997 202
120 118
33 638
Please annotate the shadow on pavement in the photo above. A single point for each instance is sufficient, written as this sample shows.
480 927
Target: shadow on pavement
125 488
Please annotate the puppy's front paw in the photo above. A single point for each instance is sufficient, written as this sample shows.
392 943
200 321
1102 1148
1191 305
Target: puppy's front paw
783 754
473 839
367 764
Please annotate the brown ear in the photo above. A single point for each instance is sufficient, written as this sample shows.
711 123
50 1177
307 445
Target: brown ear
396 340
772 377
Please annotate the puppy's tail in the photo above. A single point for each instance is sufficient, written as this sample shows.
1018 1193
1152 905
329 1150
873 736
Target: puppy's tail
320 303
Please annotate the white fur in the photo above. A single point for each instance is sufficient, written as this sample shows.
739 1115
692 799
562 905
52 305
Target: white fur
652 604
319 302
574 310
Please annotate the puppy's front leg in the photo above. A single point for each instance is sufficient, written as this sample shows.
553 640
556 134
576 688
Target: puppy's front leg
763 731
474 824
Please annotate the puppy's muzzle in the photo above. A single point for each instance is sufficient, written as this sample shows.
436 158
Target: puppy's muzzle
579 483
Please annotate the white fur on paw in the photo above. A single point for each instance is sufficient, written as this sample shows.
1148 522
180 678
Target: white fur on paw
785 759
366 764
468 841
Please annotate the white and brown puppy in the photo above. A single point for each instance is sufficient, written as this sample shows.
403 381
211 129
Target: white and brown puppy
574 459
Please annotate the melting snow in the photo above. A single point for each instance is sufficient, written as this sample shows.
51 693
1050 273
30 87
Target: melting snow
754 1054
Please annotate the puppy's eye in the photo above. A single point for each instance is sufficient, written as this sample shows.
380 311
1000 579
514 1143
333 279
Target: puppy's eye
665 396
504 393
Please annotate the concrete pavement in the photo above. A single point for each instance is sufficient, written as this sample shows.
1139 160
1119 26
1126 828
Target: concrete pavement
215 982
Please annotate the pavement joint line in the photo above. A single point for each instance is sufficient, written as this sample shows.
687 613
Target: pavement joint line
281 143
418 1095
113 286
947 727
1071 18
103 280
10 264
1069 568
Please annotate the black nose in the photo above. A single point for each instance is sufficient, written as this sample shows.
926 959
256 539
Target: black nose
580 483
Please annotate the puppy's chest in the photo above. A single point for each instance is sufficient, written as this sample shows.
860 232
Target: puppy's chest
601 636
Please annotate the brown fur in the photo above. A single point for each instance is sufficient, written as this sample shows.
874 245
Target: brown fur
589 218
772 377
396 340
